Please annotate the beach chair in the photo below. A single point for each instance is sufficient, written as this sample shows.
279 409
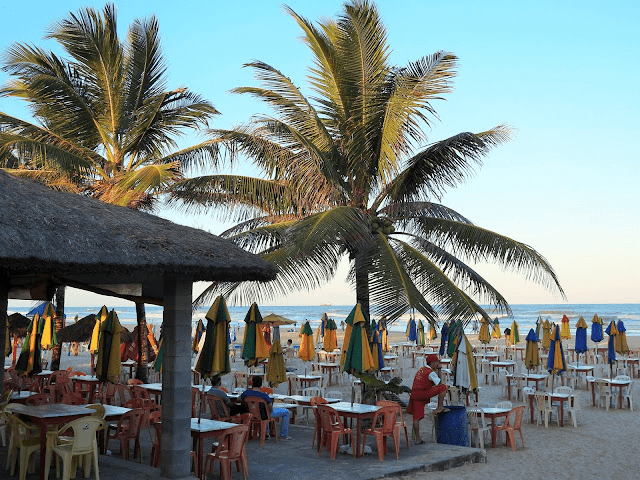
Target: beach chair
332 430
510 427
230 448
478 425
384 425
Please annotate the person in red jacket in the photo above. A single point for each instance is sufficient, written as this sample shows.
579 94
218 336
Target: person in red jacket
426 385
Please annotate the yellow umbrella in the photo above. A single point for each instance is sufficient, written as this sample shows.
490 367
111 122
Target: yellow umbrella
30 360
356 354
484 336
254 346
565 332
276 372
431 333
546 334
515 334
307 350
330 336
495 332
108 365
213 357
48 339
532 355
620 340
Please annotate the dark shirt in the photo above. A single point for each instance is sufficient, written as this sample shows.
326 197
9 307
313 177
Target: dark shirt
255 393
219 393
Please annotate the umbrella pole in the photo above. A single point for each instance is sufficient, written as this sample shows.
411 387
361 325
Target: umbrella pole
553 377
201 401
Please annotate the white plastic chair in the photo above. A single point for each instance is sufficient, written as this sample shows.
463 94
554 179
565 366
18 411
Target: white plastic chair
627 392
84 443
603 392
545 408
477 424
573 409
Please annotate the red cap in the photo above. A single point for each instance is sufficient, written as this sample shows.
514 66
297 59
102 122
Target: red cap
432 358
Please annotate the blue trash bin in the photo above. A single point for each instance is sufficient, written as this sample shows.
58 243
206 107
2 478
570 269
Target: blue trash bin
452 427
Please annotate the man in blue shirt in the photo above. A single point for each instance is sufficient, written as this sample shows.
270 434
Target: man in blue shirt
283 413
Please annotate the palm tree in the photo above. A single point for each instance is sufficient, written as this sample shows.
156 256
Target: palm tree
105 124
348 173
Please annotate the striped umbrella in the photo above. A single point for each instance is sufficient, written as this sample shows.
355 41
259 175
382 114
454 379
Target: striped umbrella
322 328
307 350
432 334
546 334
213 357
254 347
197 335
330 335
384 334
496 333
420 339
108 364
30 360
356 355
515 333
532 355
565 331
581 337
555 363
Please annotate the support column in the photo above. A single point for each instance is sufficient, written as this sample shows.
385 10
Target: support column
176 379
4 305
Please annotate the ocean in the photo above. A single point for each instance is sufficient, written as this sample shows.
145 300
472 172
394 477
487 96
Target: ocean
524 315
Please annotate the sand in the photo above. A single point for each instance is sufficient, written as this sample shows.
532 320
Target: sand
604 446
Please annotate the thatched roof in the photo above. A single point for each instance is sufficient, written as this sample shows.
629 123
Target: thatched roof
78 332
74 240
18 324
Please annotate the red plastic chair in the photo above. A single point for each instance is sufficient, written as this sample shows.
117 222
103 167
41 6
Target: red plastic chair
38 399
332 430
260 417
73 399
231 448
401 423
127 429
317 425
217 407
384 425
510 428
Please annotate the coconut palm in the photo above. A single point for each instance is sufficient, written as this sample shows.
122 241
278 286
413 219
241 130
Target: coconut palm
348 173
105 124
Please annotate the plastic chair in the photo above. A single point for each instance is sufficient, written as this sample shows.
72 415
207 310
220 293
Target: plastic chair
332 430
573 409
544 408
260 417
38 399
73 399
312 392
231 448
401 422
100 411
217 407
477 424
134 382
239 379
127 429
383 425
84 443
603 392
317 426
627 394
22 446
510 428
4 426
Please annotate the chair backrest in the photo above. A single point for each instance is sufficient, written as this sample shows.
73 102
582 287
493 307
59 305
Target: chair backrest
476 417
543 400
315 401
84 434
135 403
602 387
134 381
257 407
217 407
240 379
389 417
233 442
100 411
267 390
564 390
314 392
59 376
129 423
139 392
38 399
334 394
19 429
243 418
622 377
73 399
329 418
504 404
517 420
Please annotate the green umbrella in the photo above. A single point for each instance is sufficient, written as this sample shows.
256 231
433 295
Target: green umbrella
356 355
157 364
254 346
276 371
30 361
108 364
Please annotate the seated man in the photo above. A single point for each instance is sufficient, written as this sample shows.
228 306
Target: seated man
256 383
215 390
426 384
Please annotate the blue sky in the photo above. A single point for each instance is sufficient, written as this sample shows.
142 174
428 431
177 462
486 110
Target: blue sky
564 75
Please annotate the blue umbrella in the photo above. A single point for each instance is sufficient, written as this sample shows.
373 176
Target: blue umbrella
412 333
444 333
555 363
596 329
581 337
612 331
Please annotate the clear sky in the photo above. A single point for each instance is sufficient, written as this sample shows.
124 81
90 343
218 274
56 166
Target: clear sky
564 75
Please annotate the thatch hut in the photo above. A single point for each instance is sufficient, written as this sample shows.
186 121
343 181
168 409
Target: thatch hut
18 324
78 332
51 238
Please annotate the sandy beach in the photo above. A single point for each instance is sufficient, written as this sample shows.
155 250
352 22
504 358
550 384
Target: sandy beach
603 446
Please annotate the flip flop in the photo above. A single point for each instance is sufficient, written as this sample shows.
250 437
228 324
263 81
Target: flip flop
419 443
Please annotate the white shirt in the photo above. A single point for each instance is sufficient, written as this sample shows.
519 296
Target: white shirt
433 376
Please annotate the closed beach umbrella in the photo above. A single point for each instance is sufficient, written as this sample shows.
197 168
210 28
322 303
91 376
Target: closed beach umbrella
612 331
538 327
108 365
276 372
330 335
432 334
463 365
254 348
157 364
307 350
197 335
213 358
621 339
565 331
581 337
532 355
421 340
47 324
384 334
515 333
596 329
95 333
496 333
455 329
376 349
484 336
546 334
356 355
321 328
555 363
444 334
412 334
30 361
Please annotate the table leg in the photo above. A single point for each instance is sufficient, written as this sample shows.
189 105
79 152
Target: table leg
593 394
561 413
43 449
494 432
531 407
359 452
413 360
509 388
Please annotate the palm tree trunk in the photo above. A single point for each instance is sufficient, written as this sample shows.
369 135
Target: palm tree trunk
59 324
141 370
362 281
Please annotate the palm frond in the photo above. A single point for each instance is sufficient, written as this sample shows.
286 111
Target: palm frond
403 213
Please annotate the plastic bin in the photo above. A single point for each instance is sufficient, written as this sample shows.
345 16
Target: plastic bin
452 427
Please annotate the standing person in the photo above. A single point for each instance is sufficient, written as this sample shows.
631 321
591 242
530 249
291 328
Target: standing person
507 336
254 391
426 385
